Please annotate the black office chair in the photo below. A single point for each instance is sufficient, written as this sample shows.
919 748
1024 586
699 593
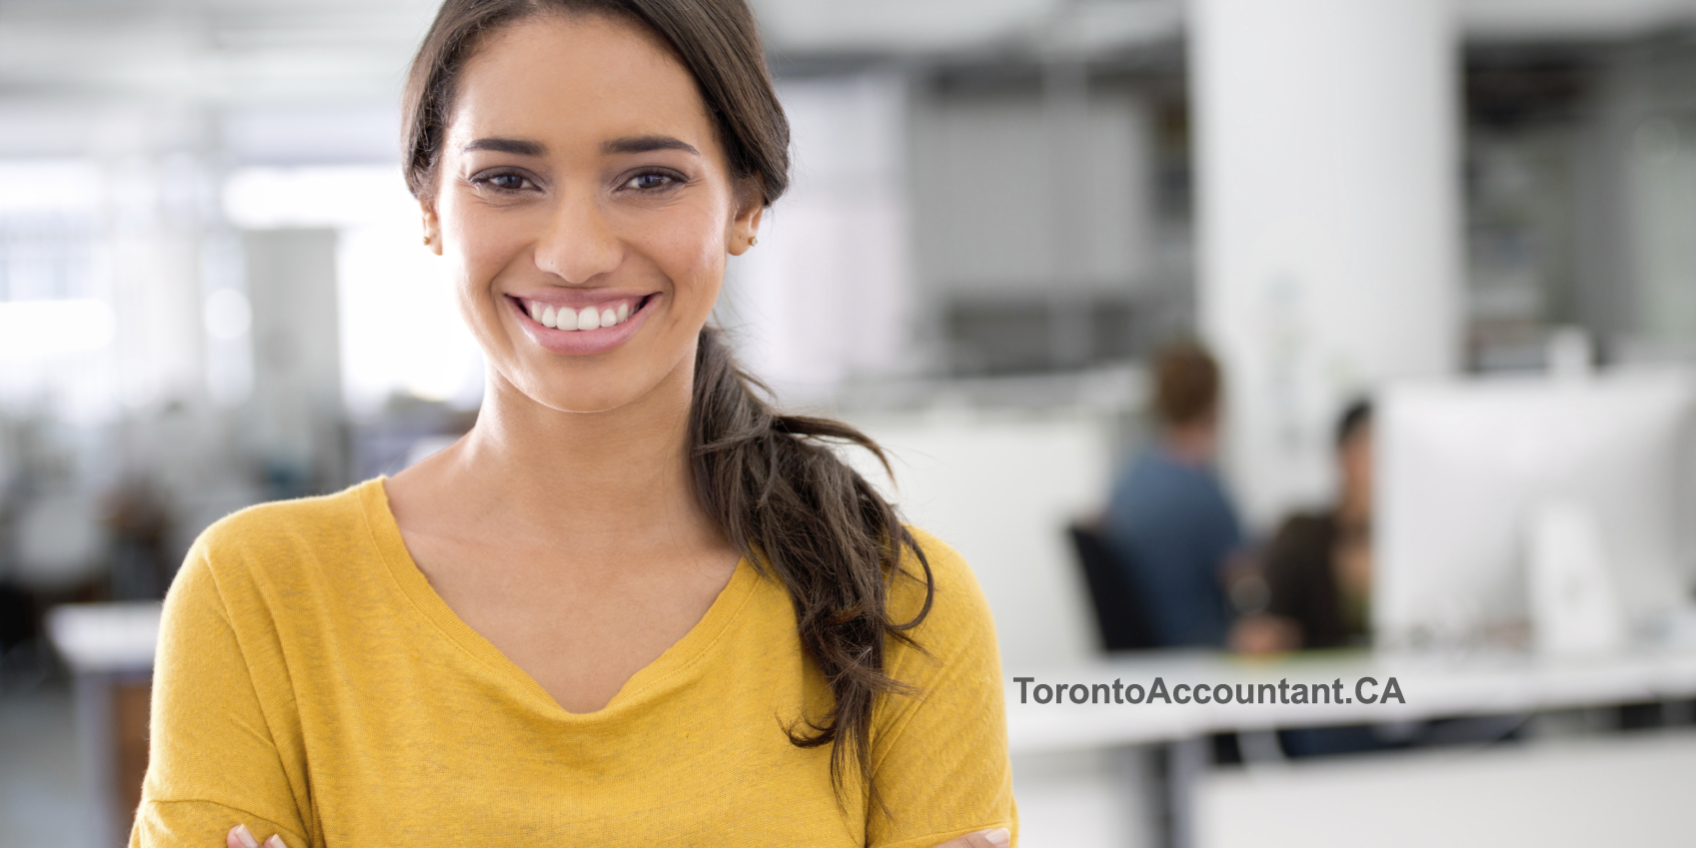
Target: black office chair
1120 615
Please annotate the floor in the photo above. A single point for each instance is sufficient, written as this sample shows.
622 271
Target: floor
42 803
1611 789
1087 799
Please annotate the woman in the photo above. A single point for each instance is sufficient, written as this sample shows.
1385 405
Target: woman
633 606
1319 566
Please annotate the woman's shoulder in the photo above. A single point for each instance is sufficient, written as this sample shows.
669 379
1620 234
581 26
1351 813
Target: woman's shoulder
958 608
271 540
290 522
944 560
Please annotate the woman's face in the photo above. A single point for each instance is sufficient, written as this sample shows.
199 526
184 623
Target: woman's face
586 208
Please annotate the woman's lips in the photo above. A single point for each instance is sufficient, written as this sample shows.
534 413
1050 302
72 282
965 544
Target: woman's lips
594 327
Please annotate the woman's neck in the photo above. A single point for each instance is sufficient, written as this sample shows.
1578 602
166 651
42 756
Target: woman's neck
599 482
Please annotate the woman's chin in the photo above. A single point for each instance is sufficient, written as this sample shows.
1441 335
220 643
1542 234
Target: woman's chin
587 403
585 397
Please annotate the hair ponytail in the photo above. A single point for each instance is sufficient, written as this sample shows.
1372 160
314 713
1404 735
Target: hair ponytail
783 497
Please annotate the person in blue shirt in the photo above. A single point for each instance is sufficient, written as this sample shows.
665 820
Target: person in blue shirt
1169 519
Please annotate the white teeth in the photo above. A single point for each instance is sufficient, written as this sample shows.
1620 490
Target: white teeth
589 318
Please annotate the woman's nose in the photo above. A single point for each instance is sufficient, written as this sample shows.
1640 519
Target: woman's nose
578 245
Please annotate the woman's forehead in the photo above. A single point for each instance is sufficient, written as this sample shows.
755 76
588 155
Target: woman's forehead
577 81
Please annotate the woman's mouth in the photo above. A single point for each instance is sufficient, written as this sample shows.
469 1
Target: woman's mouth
592 316
580 328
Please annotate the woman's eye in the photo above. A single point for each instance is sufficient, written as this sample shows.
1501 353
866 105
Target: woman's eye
649 182
505 182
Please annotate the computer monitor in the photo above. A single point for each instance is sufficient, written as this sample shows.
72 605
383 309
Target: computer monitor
1463 468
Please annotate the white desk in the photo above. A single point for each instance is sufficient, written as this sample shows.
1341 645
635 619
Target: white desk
105 638
109 643
1434 687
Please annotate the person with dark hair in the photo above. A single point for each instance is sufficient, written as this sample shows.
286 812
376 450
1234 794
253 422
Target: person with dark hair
1318 568
1169 519
635 605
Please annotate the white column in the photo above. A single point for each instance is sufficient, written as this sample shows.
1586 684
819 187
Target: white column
297 398
1328 219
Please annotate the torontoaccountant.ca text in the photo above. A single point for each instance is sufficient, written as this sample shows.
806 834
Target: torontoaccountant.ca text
1366 690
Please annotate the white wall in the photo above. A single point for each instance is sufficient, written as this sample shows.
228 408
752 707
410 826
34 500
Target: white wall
400 330
1001 488
291 281
1328 218
824 295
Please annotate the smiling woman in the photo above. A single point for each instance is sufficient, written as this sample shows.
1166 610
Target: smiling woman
634 605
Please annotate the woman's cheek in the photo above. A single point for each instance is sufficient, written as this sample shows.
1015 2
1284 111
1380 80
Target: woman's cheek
691 252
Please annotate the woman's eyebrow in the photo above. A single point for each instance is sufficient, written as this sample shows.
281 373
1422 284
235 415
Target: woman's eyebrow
647 144
516 146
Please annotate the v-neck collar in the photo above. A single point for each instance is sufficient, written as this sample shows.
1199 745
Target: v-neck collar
682 655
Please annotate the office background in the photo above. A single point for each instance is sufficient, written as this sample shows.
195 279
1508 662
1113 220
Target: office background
212 294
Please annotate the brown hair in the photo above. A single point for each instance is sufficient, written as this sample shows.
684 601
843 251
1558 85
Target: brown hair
1186 384
772 482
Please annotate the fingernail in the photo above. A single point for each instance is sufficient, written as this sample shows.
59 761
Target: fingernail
999 836
275 842
246 836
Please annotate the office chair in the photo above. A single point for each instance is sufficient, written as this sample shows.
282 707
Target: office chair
1119 610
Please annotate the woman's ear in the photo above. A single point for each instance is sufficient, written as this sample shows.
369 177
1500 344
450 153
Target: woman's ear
745 228
432 225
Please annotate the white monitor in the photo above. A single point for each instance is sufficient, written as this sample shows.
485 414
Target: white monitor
1464 467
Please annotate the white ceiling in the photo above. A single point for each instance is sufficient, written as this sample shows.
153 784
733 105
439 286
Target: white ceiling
225 50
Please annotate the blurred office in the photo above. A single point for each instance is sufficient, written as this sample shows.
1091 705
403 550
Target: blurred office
1481 214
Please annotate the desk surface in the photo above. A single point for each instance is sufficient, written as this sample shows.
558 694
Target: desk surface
105 638
1434 686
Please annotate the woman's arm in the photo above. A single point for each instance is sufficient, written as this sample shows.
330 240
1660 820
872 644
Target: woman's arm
940 761
213 759
998 838
240 837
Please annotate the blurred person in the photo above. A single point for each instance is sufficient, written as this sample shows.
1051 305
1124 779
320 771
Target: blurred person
635 605
1318 571
1169 518
1318 568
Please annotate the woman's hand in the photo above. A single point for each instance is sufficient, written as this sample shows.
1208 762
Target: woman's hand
240 837
997 838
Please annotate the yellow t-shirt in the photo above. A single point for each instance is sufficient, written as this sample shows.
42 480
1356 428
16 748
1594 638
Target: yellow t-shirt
311 683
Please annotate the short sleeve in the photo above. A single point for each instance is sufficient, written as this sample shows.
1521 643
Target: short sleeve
939 757
212 759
